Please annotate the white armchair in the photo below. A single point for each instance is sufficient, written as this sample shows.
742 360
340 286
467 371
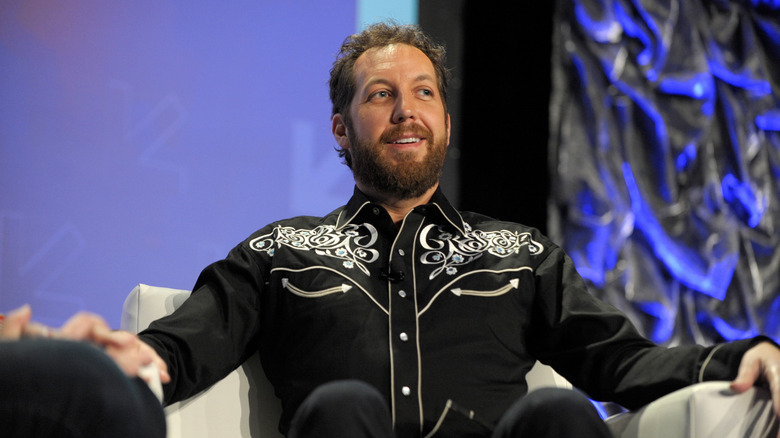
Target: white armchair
243 403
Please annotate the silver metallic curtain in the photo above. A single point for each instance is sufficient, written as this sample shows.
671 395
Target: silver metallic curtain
665 161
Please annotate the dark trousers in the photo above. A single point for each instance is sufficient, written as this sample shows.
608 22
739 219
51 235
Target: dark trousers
356 410
51 388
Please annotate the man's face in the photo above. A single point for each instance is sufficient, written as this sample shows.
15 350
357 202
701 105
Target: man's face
398 131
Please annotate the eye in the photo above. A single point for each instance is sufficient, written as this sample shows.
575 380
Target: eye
425 92
381 94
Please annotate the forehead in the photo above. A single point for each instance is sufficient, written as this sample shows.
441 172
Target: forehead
394 61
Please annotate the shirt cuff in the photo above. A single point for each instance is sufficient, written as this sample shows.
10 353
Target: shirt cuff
722 360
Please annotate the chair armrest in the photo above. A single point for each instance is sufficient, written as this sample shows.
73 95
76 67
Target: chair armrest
708 409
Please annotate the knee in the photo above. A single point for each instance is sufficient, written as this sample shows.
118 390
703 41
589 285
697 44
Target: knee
77 384
343 408
65 365
552 412
346 393
121 406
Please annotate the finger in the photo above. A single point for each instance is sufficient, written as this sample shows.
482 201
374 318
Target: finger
36 330
130 353
127 353
161 365
15 322
124 359
749 371
105 336
81 326
773 378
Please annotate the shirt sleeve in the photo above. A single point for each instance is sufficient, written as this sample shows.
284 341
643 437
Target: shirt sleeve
599 350
215 329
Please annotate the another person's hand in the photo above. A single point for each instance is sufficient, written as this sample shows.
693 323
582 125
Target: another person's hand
15 324
130 353
760 363
125 348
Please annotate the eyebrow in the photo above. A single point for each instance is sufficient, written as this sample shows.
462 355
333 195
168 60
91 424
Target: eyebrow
420 78
424 77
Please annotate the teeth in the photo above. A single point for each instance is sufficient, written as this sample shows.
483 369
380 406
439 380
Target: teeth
408 140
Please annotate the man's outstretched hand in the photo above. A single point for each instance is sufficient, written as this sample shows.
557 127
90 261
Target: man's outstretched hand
760 364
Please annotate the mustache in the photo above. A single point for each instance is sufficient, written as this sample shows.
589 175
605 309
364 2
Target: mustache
399 130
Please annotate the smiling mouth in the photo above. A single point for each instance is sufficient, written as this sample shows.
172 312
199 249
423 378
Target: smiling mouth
406 136
407 140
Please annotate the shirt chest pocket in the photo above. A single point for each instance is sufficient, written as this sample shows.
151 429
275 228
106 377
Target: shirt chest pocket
314 282
482 288
314 291
493 310
324 314
315 287
487 289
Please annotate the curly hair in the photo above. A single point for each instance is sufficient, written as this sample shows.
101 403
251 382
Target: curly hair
342 77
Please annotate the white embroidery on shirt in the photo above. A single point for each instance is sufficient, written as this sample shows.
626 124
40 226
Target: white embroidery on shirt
347 244
354 247
450 251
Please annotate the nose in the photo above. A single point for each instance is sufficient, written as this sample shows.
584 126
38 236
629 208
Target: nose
404 109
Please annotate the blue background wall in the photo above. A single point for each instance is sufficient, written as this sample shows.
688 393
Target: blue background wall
141 141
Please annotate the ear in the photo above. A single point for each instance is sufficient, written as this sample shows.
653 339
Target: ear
339 129
448 129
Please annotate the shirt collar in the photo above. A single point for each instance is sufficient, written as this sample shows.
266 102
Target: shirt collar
359 201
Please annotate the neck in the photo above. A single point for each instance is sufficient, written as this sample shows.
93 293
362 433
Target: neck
398 208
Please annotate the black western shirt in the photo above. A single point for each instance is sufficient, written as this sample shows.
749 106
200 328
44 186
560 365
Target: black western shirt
444 314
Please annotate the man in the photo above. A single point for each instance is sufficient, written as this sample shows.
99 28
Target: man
429 315
396 315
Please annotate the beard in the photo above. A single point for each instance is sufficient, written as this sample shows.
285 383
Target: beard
403 176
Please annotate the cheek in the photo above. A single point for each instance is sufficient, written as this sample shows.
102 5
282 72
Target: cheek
438 125
370 126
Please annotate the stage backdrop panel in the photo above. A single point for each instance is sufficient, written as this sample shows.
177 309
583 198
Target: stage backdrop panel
140 141
665 123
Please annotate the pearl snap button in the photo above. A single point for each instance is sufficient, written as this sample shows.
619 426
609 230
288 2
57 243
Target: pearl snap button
402 293
406 391
404 337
